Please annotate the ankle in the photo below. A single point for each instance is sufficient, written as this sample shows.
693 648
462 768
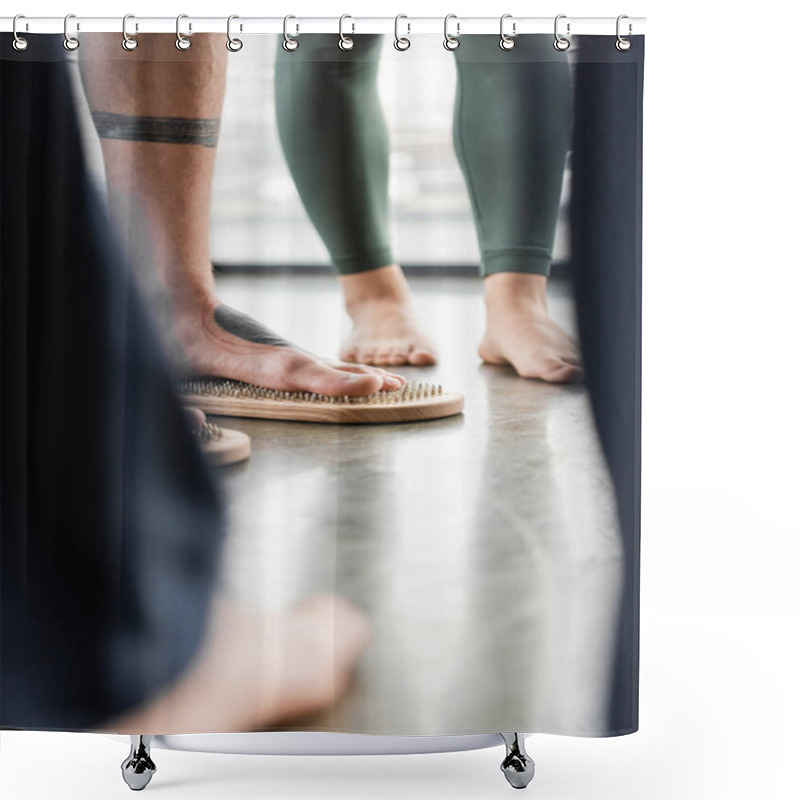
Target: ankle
504 290
386 285
193 303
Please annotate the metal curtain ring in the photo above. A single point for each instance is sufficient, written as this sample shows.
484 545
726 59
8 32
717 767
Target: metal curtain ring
507 42
234 45
401 42
290 43
181 42
20 43
70 42
561 43
345 42
451 42
128 42
622 44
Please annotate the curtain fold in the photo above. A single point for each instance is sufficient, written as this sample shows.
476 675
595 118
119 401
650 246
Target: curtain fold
111 523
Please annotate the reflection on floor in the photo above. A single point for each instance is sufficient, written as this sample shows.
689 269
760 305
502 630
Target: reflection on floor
483 547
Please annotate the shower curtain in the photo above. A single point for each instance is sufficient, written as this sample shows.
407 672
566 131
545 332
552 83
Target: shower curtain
177 558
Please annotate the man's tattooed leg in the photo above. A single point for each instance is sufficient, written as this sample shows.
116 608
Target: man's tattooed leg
143 105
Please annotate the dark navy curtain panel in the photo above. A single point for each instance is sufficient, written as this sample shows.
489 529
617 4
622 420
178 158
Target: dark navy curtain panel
110 519
607 252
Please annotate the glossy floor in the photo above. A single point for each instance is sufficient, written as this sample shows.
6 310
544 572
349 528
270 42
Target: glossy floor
482 547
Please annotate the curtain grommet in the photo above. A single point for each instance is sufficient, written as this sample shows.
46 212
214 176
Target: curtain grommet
233 44
346 42
71 43
290 43
128 42
451 42
507 42
401 43
622 44
181 42
19 43
561 43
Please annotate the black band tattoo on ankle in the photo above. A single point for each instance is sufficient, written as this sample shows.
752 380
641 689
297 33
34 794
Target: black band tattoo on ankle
167 130
239 324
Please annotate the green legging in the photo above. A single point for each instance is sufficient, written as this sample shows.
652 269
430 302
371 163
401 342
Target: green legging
511 131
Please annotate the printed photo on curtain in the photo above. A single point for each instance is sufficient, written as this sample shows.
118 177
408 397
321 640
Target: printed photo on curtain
321 358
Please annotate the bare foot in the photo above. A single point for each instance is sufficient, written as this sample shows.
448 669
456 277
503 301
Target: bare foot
196 416
255 671
220 341
221 446
520 332
384 329
325 636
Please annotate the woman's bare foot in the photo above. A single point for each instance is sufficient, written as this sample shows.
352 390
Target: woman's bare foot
384 330
220 341
255 671
520 332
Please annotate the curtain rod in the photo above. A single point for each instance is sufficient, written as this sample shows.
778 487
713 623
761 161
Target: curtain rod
299 25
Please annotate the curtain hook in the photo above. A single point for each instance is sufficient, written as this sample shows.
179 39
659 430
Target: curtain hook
622 44
561 43
181 42
507 42
20 43
451 42
345 42
128 42
233 45
401 43
290 43
70 42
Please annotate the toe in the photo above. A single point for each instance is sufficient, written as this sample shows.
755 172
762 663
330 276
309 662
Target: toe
338 609
552 369
399 354
390 380
397 359
352 628
383 356
325 379
421 357
366 355
560 371
195 415
348 383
